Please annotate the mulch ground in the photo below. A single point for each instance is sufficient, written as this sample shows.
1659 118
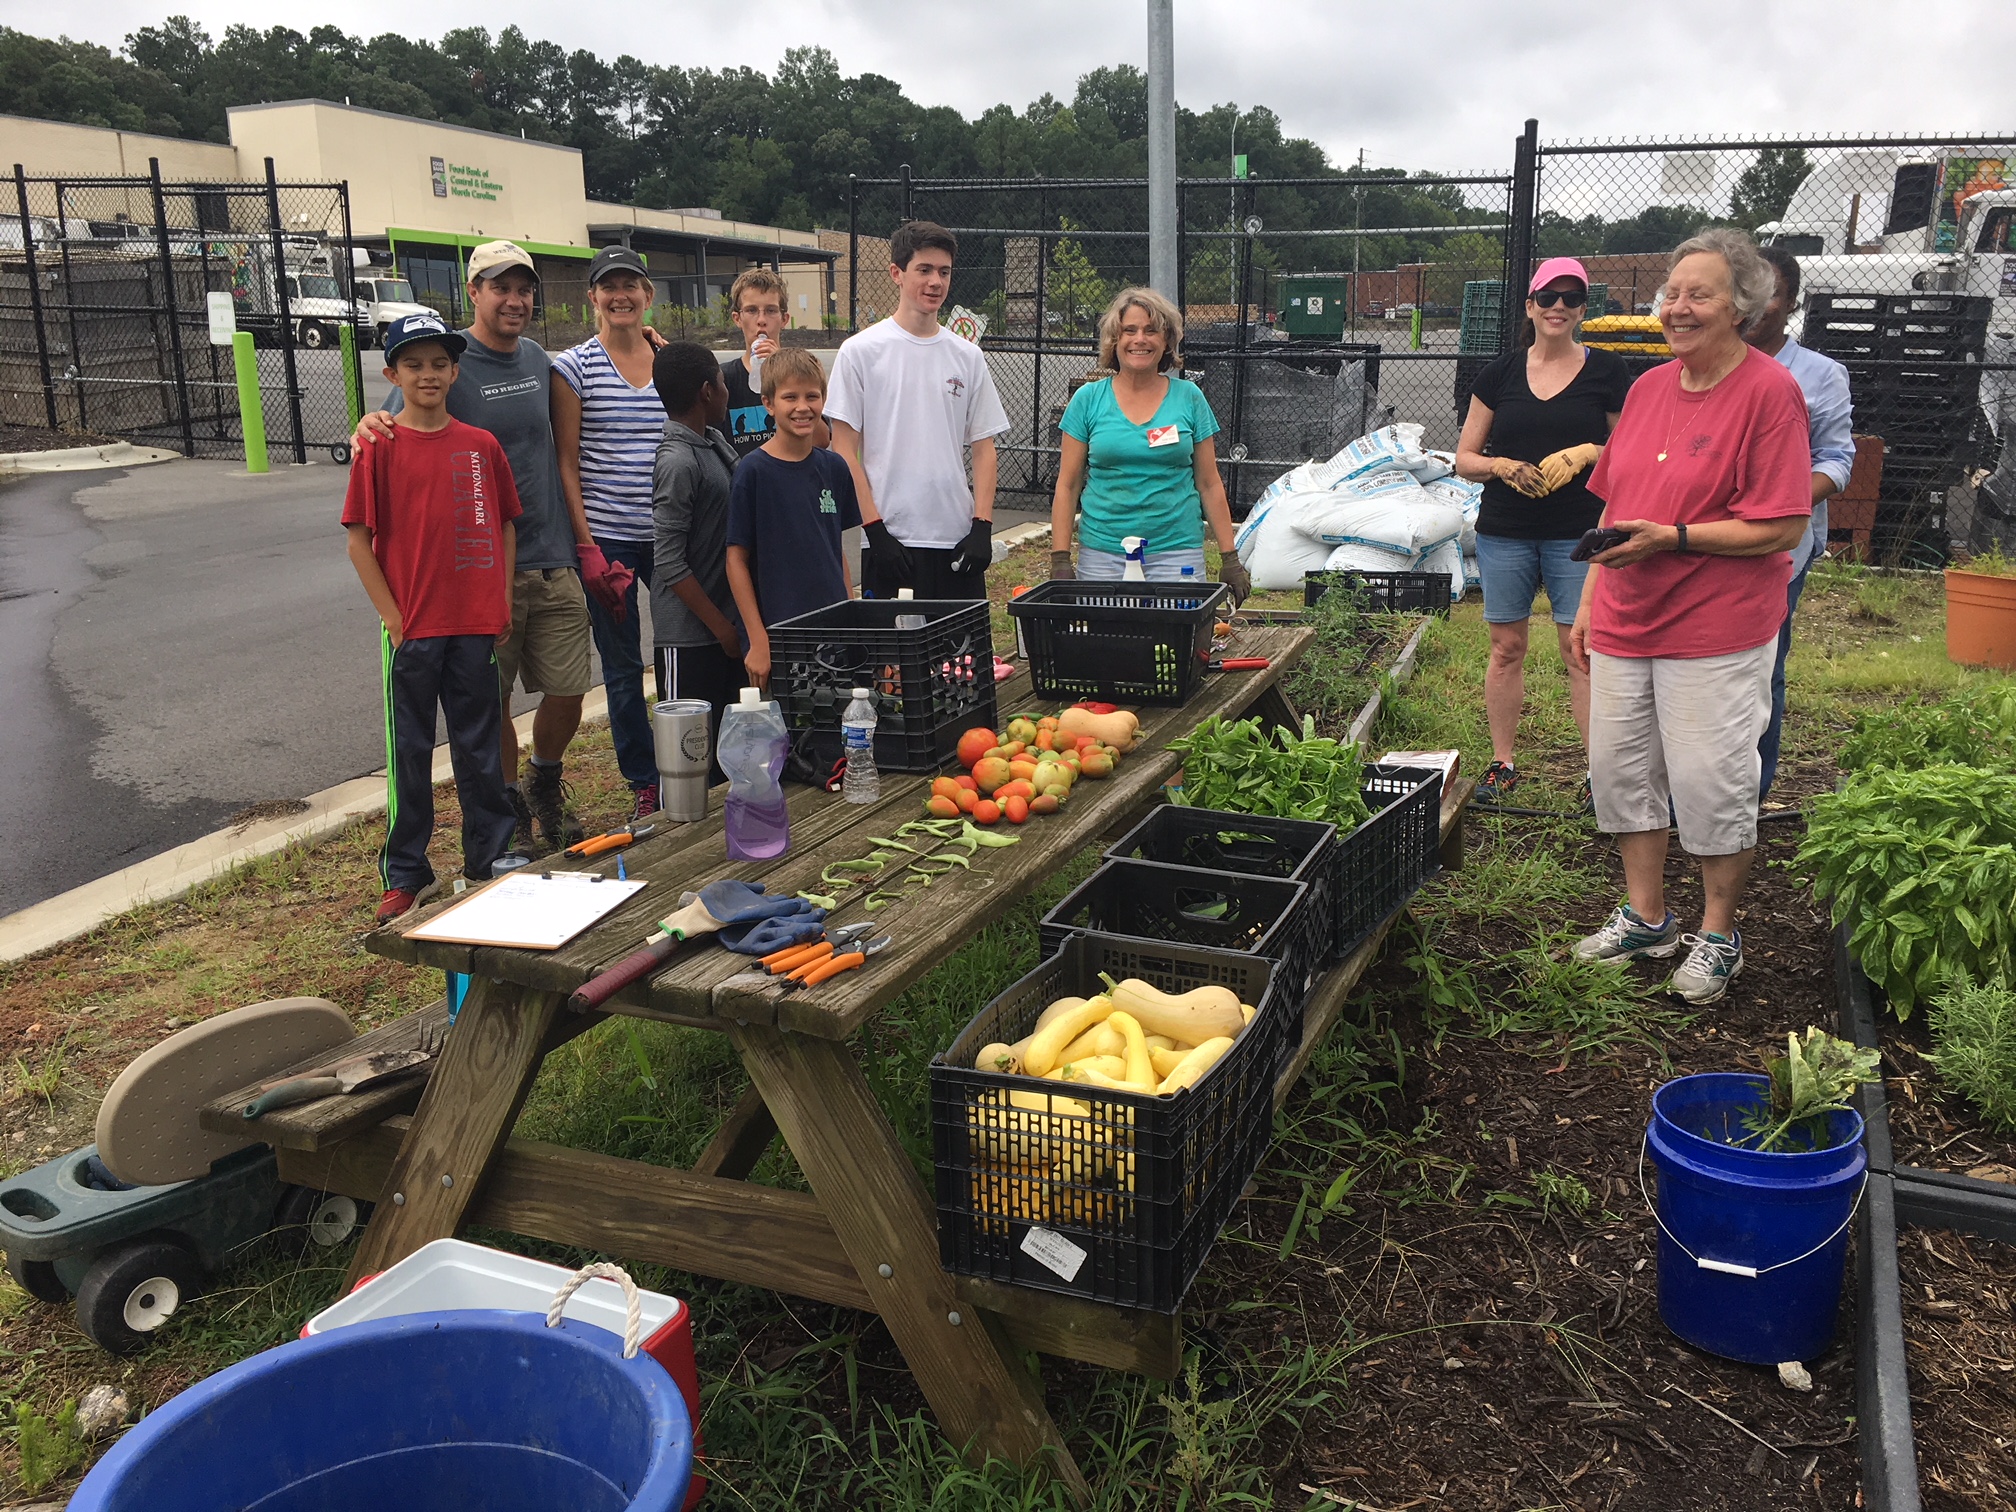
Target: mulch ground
1960 1345
34 438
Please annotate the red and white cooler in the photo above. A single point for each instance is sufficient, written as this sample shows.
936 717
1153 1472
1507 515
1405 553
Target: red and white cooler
453 1273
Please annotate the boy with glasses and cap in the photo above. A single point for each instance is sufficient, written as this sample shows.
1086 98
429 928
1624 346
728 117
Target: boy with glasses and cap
504 386
429 514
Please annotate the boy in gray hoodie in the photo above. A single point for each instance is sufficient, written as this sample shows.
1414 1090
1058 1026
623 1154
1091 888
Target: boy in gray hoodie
698 644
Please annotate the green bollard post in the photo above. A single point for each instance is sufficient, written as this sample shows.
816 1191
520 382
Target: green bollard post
353 379
1417 328
251 413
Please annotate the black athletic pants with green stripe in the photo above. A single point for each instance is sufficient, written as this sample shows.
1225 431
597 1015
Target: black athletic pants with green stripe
458 673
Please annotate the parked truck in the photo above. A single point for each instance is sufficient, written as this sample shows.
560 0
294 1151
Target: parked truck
317 308
381 293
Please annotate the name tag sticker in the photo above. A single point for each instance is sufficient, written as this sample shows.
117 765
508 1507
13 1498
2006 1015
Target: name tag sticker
1164 435
1053 1251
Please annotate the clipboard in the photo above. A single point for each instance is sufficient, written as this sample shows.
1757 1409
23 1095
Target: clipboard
529 910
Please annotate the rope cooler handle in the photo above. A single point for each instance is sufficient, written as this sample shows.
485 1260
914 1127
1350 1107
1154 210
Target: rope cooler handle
1729 1267
633 1307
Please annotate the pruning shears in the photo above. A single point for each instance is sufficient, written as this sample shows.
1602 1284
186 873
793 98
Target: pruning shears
796 958
846 960
1238 664
596 845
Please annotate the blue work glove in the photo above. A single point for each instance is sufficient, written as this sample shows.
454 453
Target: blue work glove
738 902
759 937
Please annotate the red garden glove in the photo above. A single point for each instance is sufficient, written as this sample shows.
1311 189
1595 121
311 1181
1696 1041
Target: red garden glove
608 581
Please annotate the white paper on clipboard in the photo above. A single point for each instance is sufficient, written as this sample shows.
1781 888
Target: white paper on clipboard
529 910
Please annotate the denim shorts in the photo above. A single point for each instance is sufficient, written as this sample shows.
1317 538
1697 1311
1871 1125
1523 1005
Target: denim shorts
1513 570
1096 566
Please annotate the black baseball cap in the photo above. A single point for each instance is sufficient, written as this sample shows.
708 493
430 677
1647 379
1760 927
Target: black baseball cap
408 329
615 260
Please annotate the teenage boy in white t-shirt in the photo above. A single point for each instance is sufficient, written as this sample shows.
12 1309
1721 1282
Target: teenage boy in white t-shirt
908 399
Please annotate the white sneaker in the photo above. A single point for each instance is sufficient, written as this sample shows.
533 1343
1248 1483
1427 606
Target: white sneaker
1710 967
1626 936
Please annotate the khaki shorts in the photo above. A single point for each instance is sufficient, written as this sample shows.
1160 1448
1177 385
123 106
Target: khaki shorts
549 637
1683 728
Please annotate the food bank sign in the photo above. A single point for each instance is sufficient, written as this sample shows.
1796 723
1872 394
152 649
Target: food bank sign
460 181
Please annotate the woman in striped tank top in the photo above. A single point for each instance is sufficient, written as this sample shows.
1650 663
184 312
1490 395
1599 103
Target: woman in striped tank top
606 425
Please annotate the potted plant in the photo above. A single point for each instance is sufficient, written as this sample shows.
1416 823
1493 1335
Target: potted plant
1758 1179
1981 611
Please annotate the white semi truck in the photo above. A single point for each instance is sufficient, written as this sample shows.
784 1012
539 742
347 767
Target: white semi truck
382 294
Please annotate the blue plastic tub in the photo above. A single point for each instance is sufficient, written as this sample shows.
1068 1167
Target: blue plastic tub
1752 1244
478 1410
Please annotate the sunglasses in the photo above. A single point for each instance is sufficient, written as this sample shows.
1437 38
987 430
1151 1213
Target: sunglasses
1573 298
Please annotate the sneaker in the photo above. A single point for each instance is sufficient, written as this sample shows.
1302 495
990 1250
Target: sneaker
647 802
397 900
523 841
1496 785
548 798
1626 937
1710 967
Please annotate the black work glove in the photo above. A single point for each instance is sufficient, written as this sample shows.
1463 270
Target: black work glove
976 552
1232 573
892 557
1060 566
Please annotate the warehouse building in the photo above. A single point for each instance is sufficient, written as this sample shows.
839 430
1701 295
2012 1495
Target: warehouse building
422 193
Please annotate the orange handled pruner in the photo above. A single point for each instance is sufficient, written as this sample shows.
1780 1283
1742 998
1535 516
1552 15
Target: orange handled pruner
832 966
614 840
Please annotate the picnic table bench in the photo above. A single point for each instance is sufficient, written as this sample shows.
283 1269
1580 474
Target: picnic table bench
864 1236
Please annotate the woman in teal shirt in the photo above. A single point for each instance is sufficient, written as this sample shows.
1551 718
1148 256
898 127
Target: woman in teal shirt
1139 459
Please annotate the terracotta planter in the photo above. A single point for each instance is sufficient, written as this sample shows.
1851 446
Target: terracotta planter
1980 619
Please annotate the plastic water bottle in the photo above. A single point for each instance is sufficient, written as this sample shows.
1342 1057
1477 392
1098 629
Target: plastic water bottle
1136 570
1189 583
862 783
753 746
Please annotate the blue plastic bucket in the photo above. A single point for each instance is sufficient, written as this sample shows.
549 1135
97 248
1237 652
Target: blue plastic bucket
478 1410
1752 1244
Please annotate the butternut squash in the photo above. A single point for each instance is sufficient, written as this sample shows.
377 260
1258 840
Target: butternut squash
1201 1014
1195 1064
1120 729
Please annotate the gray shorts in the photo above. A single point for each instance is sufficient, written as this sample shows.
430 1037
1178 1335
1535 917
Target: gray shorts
1684 730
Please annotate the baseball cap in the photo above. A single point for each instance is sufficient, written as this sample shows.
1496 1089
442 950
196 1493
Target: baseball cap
408 329
493 257
1558 267
615 260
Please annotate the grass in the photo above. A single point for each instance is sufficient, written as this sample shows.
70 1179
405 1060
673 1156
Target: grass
807 1405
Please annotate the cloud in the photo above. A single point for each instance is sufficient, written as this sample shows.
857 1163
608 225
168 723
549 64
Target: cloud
1437 85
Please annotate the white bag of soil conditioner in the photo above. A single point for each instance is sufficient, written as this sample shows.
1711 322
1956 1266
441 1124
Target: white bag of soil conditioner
1367 559
1387 510
1394 449
1274 552
1448 557
1467 497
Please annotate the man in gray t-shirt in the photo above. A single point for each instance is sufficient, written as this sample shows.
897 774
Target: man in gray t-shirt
504 387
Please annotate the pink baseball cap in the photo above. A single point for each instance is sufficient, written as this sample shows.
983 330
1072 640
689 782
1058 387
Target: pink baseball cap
1558 267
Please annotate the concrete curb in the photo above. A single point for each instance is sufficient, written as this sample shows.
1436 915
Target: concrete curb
175 873
82 458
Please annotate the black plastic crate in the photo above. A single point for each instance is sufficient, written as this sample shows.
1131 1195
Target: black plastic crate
1382 592
1381 863
1825 309
1138 643
1142 1185
1146 900
931 684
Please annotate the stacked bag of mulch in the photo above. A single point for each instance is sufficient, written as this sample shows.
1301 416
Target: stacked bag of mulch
1382 504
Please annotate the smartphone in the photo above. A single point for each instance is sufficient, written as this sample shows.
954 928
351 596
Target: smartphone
1595 542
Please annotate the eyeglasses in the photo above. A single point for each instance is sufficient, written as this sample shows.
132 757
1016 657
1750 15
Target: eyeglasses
1573 298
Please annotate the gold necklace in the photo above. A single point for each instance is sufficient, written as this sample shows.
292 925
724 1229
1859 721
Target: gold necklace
1673 404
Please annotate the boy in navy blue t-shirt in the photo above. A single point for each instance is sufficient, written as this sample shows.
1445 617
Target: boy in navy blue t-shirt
787 505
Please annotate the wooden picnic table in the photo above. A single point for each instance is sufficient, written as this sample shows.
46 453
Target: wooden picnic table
865 1235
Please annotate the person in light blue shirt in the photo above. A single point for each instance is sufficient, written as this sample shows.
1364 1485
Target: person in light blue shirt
1829 409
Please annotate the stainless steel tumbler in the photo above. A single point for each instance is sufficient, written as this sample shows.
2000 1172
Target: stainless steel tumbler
679 731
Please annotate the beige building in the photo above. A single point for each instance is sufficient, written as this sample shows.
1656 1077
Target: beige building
422 193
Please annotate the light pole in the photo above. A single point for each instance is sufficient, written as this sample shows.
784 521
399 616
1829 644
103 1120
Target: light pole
1232 206
1162 147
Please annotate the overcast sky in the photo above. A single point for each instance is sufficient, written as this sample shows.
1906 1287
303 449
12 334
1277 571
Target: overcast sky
1441 84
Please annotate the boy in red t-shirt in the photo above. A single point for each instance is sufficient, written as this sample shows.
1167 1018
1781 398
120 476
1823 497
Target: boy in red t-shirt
429 516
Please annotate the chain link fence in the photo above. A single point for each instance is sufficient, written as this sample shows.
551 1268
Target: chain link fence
1907 277
1314 309
106 294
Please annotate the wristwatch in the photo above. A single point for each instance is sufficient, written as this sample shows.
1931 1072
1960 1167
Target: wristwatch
1682 547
